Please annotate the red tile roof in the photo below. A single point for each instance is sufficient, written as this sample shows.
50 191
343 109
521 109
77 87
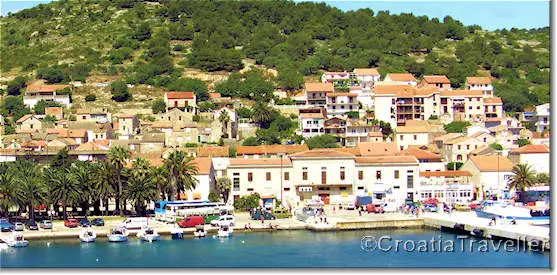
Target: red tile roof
45 88
387 159
214 95
478 80
436 79
270 149
401 77
213 151
53 111
531 149
323 153
492 163
180 95
258 162
421 154
366 71
471 93
448 173
493 100
319 87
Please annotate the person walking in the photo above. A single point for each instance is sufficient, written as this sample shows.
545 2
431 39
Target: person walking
262 218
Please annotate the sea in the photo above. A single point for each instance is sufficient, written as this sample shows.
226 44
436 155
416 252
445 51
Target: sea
301 248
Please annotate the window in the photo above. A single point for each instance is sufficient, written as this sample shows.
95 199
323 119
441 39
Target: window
286 189
305 173
467 146
83 117
378 175
268 176
360 175
286 175
250 189
342 188
397 174
236 181
415 137
459 147
323 177
342 173
401 137
410 181
250 176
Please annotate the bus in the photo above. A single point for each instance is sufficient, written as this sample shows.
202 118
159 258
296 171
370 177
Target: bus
168 211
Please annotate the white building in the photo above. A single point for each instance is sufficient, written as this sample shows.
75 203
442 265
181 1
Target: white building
447 186
542 117
490 175
411 135
341 103
428 160
311 124
36 93
366 77
536 156
205 180
391 178
480 84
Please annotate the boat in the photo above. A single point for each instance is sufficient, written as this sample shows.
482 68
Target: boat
17 240
505 209
88 235
177 233
147 234
225 230
199 231
3 245
118 235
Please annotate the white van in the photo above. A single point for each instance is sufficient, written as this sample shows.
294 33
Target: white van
224 219
134 223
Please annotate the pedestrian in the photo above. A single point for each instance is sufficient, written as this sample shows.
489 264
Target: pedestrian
359 211
494 220
262 217
334 209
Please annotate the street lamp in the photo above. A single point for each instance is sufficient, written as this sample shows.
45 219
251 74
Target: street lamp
281 176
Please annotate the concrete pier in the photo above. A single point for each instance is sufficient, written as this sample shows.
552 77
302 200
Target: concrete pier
467 221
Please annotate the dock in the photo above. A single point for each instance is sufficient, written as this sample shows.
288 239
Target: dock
468 222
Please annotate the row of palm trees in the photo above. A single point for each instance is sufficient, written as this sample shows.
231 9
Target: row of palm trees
25 185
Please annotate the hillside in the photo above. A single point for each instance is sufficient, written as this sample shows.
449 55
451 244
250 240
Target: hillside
158 42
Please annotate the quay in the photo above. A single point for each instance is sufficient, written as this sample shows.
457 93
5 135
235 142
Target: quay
467 222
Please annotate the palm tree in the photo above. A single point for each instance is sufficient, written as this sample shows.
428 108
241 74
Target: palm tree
83 172
160 177
224 119
33 192
261 114
9 195
223 187
117 156
141 166
522 177
140 190
64 187
181 172
105 181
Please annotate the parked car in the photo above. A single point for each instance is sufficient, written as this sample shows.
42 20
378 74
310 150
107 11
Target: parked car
18 226
225 219
6 226
71 223
209 218
134 223
45 224
375 208
475 206
32 225
97 222
266 215
428 207
84 222
282 213
347 205
461 207
191 221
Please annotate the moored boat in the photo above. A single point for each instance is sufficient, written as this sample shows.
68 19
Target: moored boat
177 233
118 235
148 235
17 240
199 231
88 235
3 245
225 230
503 209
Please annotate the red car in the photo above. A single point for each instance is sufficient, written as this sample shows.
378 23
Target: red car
71 223
191 221
475 206
374 208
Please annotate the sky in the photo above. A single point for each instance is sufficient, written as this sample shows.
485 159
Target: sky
490 15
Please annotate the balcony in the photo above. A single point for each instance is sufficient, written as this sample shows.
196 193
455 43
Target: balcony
403 102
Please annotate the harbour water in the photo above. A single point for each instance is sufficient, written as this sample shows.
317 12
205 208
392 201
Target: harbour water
277 249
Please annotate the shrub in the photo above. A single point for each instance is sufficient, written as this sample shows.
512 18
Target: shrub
196 118
231 152
214 196
190 145
251 141
248 202
119 91
456 126
158 106
90 97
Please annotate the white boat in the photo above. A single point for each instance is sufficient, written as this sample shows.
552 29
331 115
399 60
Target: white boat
225 230
177 233
504 209
17 240
199 231
147 234
118 235
3 245
88 235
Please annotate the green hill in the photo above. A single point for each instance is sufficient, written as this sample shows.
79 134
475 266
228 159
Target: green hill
158 42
